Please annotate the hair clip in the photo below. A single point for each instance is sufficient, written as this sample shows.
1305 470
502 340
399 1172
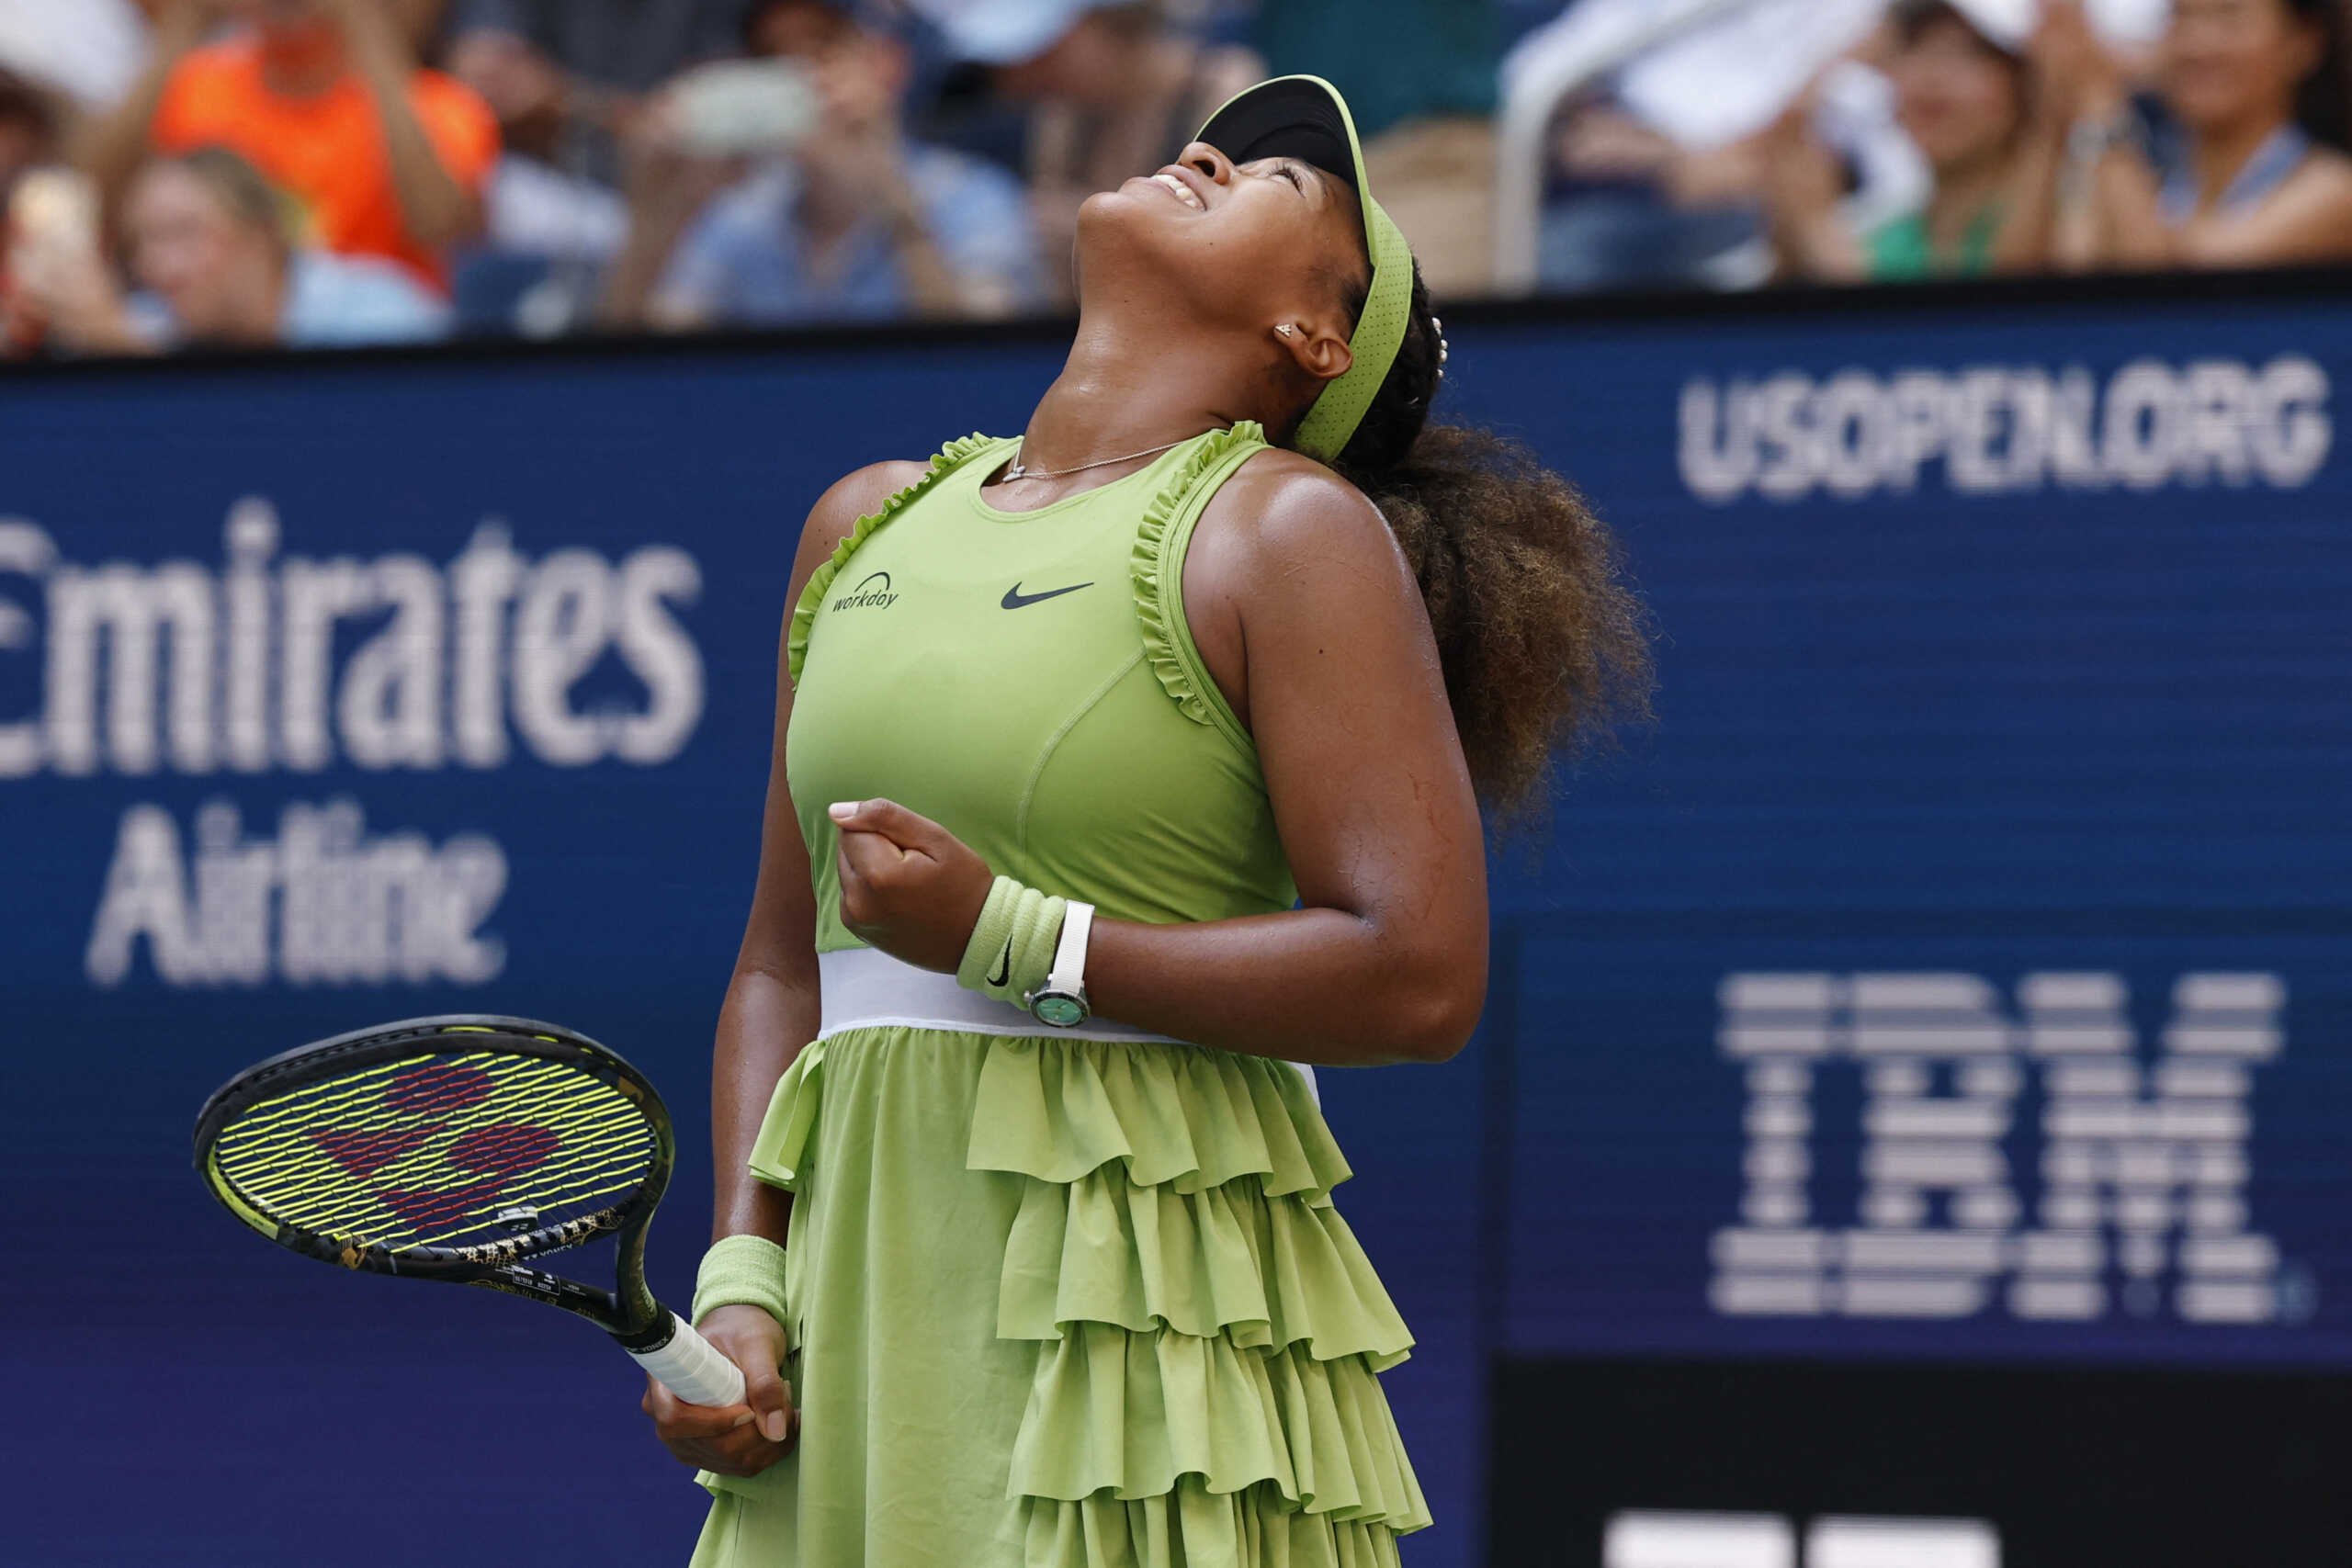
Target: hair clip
1438 327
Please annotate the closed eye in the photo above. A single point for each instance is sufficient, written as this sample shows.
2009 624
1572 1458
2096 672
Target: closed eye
1290 172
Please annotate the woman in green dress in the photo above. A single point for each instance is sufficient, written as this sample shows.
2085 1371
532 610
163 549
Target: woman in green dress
1124 772
1965 92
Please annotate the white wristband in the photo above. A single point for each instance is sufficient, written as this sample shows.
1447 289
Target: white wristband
1069 973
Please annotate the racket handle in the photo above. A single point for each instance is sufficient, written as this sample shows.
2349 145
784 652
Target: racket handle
691 1368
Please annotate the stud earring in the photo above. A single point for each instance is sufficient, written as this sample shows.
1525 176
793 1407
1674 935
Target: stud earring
1287 329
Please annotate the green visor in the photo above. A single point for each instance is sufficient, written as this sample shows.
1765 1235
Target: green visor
1304 118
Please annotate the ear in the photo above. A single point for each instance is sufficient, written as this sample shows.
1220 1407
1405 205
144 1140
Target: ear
1315 347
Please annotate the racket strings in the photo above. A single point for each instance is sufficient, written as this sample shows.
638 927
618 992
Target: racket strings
437 1151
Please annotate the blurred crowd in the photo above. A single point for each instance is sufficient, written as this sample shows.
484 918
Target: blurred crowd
307 173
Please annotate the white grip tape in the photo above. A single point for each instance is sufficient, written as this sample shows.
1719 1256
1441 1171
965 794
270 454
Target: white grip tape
692 1369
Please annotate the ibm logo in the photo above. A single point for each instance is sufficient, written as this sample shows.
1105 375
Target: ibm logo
2142 1166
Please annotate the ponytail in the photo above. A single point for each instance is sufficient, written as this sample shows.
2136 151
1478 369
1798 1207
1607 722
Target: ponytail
1544 646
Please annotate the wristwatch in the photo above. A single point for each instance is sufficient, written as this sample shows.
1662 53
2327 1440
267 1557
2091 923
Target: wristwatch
1061 1000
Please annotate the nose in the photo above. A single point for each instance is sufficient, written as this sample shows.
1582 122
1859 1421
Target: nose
1200 155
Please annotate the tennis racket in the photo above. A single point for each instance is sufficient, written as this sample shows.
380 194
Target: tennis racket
459 1149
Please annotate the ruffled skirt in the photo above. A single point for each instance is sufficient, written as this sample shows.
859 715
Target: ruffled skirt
1069 1303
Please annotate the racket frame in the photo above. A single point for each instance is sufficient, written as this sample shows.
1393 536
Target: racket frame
628 1313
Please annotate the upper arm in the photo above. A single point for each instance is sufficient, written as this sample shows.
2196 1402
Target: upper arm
461 127
180 121
1344 696
2309 218
783 925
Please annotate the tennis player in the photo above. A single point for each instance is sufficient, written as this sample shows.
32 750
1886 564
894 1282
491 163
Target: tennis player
1126 772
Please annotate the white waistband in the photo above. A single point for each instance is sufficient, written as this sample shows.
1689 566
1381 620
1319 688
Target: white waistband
864 988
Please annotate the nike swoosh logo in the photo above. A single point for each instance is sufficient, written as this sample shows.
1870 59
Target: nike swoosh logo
1005 960
1014 598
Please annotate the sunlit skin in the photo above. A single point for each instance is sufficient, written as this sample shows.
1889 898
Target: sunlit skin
224 278
1312 626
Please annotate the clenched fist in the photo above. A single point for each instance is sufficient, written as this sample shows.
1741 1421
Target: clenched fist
909 887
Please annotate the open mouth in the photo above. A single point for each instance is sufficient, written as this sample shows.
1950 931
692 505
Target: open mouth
1181 191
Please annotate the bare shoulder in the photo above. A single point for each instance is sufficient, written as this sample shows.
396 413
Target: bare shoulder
2326 176
859 493
1288 513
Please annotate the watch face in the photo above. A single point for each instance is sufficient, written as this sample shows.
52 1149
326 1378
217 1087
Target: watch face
1061 1010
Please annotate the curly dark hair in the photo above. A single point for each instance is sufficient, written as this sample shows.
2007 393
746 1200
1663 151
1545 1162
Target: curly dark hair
1545 646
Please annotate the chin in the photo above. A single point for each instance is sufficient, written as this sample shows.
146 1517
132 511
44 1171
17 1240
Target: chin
1119 219
2199 106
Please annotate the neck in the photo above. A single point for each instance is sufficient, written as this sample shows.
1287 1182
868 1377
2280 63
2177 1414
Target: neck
257 312
1961 193
1115 396
2222 151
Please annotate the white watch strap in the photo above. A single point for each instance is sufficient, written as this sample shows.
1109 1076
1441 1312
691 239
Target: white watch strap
1069 973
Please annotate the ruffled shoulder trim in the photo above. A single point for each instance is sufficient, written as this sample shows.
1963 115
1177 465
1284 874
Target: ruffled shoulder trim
952 455
1160 593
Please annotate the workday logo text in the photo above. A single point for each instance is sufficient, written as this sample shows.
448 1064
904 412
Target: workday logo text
2139 1197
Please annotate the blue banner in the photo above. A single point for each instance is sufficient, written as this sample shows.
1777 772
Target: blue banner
1959 970
1961 967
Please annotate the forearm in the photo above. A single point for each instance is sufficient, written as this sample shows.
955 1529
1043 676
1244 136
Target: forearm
2029 230
2130 217
1816 247
932 288
112 145
436 207
630 289
931 284
1322 987
768 1018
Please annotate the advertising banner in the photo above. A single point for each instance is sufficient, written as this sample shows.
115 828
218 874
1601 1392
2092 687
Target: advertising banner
1958 976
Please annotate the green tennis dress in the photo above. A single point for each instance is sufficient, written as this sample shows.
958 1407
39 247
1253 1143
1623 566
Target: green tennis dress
1057 1300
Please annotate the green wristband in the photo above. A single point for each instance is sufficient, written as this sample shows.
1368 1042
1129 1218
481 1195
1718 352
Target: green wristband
741 1270
992 933
1012 947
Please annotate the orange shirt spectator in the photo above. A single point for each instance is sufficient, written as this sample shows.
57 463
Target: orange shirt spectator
327 150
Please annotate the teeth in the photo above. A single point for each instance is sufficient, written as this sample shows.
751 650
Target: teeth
1183 192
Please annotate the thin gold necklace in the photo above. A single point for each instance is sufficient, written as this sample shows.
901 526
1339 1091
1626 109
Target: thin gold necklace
1014 470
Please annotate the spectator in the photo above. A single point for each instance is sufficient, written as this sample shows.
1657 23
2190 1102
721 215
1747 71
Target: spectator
2257 174
326 99
1963 92
567 77
553 216
211 245
604 49
1113 91
1661 176
852 222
